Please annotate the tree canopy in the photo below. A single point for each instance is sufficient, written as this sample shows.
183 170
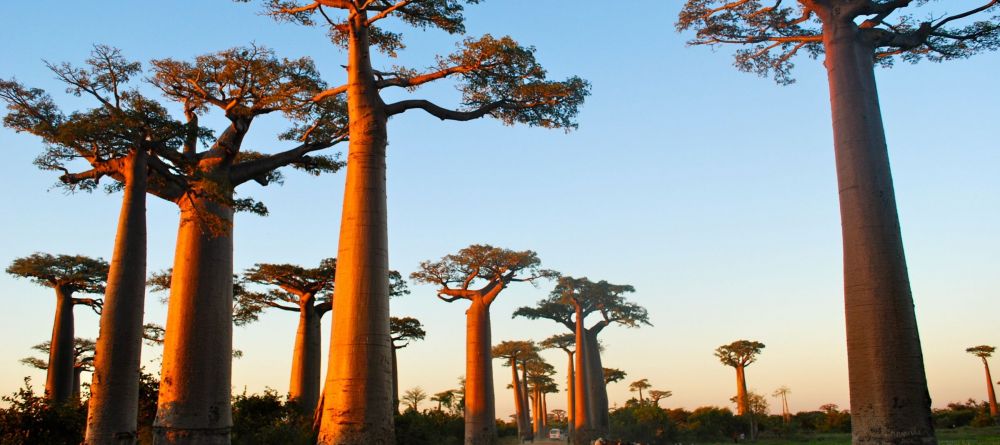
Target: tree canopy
497 76
612 375
493 268
740 353
83 354
76 273
773 32
404 330
981 351
606 299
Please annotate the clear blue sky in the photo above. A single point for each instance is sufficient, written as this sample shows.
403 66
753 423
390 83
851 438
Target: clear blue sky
711 191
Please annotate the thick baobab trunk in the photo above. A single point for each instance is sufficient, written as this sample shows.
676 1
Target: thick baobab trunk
480 410
598 388
358 401
741 391
113 408
194 404
76 382
544 415
303 387
583 432
536 409
989 389
59 378
570 395
395 382
525 396
890 403
522 426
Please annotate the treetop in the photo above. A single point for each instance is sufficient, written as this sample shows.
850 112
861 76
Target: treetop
405 329
739 353
982 351
76 273
772 33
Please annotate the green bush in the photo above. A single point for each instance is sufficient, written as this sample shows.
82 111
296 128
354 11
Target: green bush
265 419
431 427
642 422
31 420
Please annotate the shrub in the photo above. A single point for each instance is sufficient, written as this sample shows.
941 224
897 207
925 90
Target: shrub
31 420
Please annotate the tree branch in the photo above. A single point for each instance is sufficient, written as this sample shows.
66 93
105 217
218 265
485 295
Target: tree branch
257 168
385 12
440 112
410 82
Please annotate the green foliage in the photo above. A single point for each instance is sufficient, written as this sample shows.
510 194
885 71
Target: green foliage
122 122
83 354
480 262
263 419
712 423
740 353
28 419
772 33
75 273
612 375
643 423
405 329
601 297
981 351
431 427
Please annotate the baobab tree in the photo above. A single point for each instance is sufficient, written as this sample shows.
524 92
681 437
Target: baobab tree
538 376
984 352
67 275
83 360
457 275
889 397
498 78
655 395
569 304
565 342
738 355
243 84
306 292
412 397
638 386
116 140
783 392
514 353
444 399
403 330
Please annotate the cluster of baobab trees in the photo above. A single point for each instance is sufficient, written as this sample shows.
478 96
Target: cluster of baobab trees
133 140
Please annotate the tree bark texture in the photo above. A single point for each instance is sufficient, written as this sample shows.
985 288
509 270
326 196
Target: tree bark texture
989 389
59 376
395 381
522 427
480 408
194 403
113 408
358 400
583 432
304 383
570 395
598 388
741 391
890 403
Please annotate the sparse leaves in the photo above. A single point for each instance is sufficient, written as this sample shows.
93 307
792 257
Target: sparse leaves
740 353
75 273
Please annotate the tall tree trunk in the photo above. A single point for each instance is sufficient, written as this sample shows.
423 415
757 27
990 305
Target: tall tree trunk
989 389
113 408
582 425
536 409
570 396
395 382
599 389
76 382
522 427
59 378
544 415
889 398
480 410
303 385
358 406
194 403
525 396
741 391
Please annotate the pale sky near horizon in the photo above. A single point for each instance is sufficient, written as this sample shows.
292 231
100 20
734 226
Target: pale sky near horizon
713 192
